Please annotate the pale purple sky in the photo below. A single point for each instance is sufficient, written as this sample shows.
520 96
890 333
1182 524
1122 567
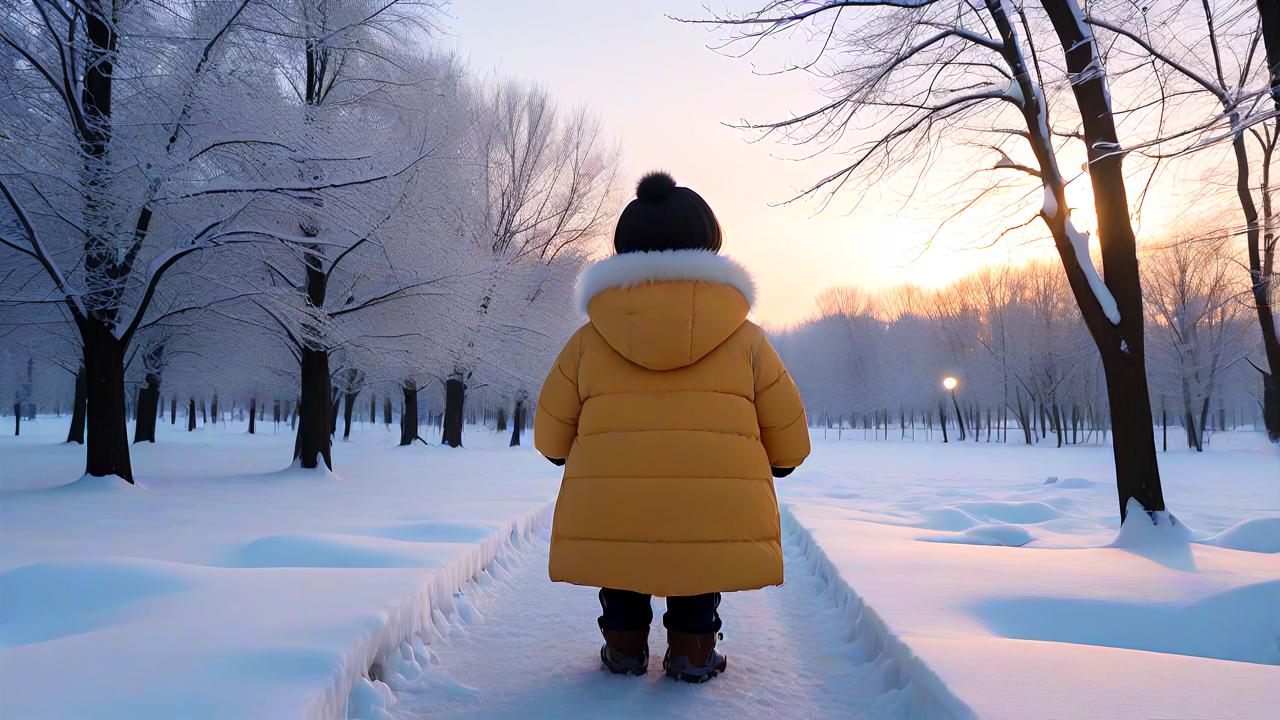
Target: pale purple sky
666 97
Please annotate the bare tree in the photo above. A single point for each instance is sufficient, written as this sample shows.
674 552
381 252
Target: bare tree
1223 64
1195 310
925 72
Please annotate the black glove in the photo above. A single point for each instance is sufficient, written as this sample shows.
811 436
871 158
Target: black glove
556 461
780 472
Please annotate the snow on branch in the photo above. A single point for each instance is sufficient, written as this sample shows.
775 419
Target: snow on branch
1080 244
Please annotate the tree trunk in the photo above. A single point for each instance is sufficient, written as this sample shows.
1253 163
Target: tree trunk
386 411
191 414
173 409
76 432
312 443
1270 401
213 408
942 417
373 408
1260 249
1055 425
253 414
517 423
1204 422
334 400
1189 424
1120 345
455 398
107 452
409 418
1024 418
347 412
959 418
144 424
17 418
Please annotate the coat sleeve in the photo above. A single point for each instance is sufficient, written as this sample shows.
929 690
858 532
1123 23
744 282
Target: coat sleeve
555 424
784 430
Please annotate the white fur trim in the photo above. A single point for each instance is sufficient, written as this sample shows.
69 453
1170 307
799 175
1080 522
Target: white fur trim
639 268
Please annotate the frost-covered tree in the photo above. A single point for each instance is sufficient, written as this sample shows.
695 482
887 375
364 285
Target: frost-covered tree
389 120
547 178
128 129
1196 318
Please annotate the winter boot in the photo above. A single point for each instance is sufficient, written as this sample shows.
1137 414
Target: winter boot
625 651
692 657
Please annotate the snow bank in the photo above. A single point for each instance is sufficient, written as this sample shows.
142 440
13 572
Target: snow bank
435 531
1005 535
413 617
1025 512
331 550
1058 618
225 587
905 673
1256 535
1071 483
1156 531
49 600
1239 624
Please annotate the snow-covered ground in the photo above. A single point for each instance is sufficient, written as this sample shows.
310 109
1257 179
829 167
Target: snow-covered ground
225 587
532 652
923 581
989 572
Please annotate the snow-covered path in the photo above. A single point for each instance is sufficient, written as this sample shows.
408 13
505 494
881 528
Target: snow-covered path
531 652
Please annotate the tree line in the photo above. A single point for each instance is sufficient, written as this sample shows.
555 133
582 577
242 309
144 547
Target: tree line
289 203
1021 355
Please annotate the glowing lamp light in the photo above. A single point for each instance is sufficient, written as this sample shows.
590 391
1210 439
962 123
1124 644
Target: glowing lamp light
950 383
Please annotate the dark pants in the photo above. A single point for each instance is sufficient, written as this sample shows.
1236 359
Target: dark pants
626 610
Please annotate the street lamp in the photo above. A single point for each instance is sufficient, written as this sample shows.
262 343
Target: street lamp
950 384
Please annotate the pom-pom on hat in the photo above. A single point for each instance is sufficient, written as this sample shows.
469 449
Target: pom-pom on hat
665 216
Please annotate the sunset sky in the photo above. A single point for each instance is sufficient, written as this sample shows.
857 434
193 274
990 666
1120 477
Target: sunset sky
667 97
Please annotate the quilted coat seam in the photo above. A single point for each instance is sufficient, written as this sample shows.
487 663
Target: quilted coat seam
553 416
780 428
753 438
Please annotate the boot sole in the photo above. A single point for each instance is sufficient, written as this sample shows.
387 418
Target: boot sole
697 679
692 679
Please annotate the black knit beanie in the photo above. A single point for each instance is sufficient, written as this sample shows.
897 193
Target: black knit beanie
666 217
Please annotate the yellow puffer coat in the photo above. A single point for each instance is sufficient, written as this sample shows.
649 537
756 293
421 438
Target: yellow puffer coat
669 407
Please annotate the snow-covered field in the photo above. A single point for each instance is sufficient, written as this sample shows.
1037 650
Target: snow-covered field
225 587
923 581
988 572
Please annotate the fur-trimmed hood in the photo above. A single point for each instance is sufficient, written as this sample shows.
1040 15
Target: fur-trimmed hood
665 310
640 268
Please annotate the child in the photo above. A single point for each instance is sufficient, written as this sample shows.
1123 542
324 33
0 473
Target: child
669 408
